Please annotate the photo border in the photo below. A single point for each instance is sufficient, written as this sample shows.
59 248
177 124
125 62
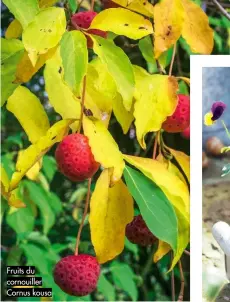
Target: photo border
197 62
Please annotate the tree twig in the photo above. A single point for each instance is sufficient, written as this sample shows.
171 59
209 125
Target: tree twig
83 217
187 252
172 282
155 145
221 9
181 294
172 60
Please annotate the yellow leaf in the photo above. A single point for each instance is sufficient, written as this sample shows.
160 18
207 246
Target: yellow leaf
122 22
25 69
60 95
174 170
11 197
5 183
103 81
183 160
111 209
168 22
123 116
143 7
196 30
14 30
28 110
44 32
119 67
33 172
34 152
175 190
100 89
46 3
186 80
171 167
162 250
104 147
156 98
14 200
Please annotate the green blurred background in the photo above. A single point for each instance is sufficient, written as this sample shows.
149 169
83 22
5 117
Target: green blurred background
46 229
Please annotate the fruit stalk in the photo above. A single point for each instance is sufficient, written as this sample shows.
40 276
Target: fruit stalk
83 217
181 295
173 281
92 4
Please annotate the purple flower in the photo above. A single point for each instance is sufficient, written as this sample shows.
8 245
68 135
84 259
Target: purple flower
217 110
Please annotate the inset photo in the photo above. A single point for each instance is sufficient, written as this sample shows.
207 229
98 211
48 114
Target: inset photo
216 183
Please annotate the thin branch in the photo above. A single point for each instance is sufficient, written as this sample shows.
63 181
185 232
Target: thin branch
173 282
187 252
172 61
155 145
92 4
221 9
82 104
83 217
181 295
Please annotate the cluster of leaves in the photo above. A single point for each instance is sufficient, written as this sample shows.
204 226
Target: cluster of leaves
115 91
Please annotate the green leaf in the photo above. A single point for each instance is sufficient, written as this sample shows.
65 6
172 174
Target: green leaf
73 5
54 202
74 55
36 256
106 288
21 220
132 247
12 51
146 48
39 238
14 256
39 197
154 206
119 67
123 277
49 167
24 11
183 88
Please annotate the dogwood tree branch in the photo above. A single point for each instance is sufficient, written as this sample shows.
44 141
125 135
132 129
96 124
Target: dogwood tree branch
221 9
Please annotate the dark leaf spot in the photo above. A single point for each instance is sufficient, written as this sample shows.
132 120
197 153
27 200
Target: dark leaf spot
60 70
126 24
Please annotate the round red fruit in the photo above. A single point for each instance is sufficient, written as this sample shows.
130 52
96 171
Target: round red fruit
75 159
137 232
180 120
77 275
186 133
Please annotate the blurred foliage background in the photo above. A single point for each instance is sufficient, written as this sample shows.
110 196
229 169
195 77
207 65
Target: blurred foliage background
46 229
